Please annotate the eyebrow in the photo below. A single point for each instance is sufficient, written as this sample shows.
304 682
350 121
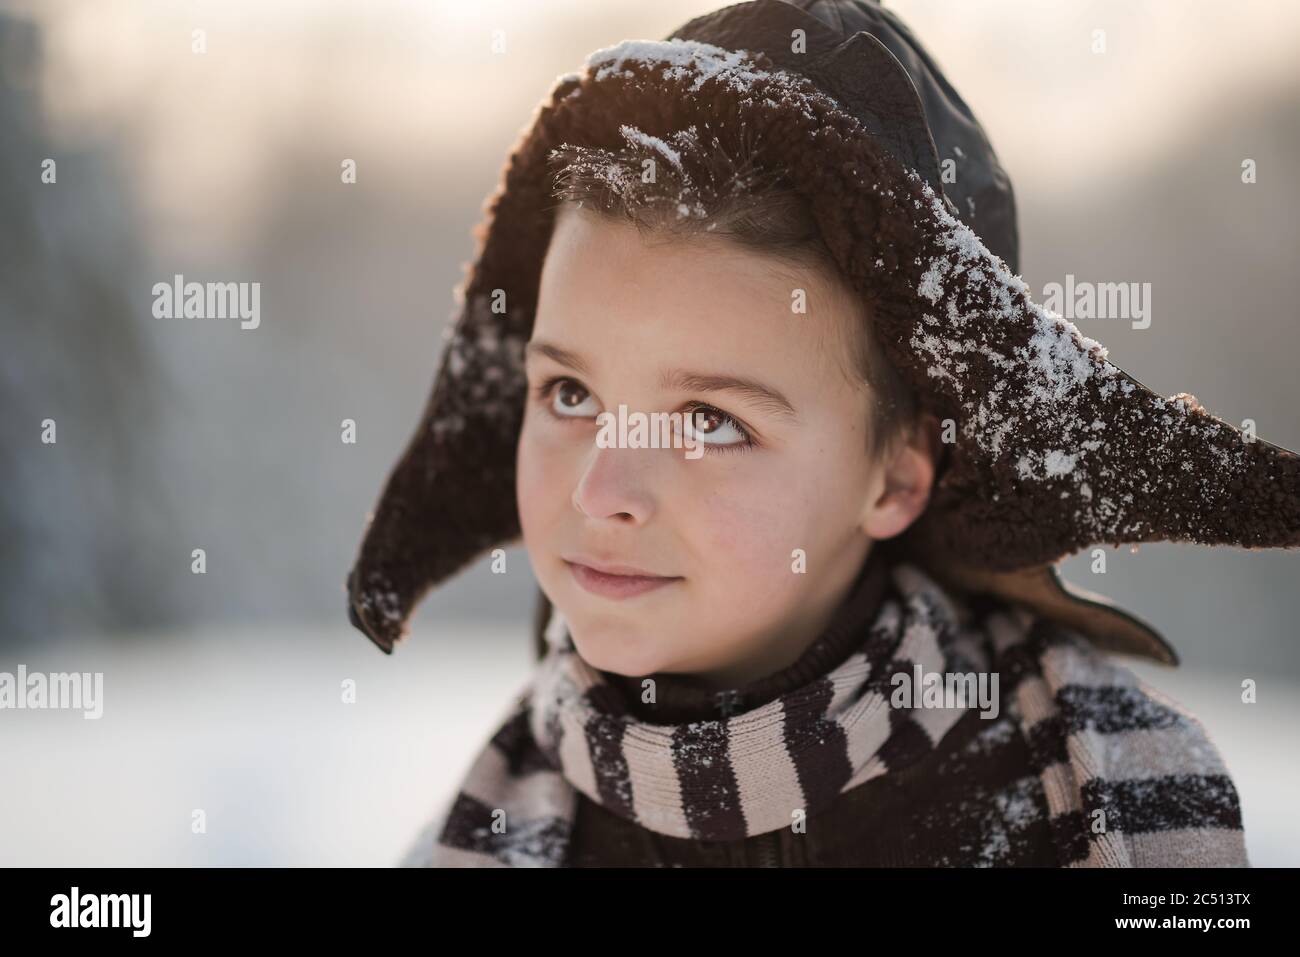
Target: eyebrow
759 394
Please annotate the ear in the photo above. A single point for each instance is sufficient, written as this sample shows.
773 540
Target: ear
901 485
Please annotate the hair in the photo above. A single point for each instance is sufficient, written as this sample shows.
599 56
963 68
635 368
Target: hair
675 190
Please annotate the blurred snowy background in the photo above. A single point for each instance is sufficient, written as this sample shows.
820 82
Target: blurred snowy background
222 691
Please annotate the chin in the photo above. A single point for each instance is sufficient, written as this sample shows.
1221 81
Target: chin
618 653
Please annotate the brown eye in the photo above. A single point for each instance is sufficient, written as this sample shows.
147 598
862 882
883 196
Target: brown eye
723 431
709 420
571 394
569 399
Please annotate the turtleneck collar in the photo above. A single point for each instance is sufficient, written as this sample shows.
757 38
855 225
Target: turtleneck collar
684 698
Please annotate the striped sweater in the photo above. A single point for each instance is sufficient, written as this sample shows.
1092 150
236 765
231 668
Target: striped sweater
1081 764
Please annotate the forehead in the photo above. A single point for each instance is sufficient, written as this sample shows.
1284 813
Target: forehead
628 296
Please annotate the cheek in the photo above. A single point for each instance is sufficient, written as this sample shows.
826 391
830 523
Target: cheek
741 532
541 474
747 524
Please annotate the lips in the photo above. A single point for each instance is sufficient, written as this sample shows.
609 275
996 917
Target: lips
614 580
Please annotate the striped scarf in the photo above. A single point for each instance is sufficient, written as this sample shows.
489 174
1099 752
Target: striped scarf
1129 778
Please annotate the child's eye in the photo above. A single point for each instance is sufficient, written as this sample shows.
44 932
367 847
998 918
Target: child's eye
569 398
721 431
718 432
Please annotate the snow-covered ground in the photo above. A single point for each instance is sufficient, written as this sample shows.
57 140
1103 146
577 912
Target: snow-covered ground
250 727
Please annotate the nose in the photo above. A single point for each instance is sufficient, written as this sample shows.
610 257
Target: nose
614 485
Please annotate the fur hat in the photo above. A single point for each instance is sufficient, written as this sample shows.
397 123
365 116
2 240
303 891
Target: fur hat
1057 449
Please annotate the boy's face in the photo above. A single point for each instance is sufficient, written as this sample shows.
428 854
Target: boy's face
722 526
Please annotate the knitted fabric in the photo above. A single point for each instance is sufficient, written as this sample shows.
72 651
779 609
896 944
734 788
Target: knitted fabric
1128 778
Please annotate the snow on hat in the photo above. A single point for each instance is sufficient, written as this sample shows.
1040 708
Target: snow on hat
1057 449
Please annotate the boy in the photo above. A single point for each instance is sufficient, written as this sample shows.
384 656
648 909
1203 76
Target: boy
837 636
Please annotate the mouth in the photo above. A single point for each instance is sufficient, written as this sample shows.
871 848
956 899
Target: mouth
617 581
